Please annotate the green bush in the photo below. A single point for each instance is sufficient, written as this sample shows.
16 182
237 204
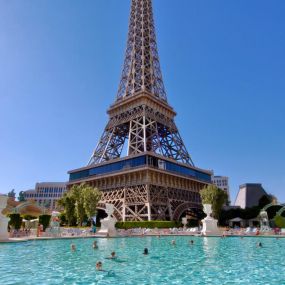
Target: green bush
193 223
148 224
279 221
63 220
44 220
15 221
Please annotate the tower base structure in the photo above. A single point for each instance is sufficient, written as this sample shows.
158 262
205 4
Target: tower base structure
145 187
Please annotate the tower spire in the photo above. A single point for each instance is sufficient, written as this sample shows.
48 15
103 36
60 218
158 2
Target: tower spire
141 70
141 116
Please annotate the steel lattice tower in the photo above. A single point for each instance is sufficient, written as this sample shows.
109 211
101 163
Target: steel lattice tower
146 119
142 121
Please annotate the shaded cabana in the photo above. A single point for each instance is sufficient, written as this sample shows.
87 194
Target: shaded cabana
30 208
255 222
31 224
237 222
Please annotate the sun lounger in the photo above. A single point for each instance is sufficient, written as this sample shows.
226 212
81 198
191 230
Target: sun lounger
248 231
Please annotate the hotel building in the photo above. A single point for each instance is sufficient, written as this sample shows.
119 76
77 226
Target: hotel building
46 194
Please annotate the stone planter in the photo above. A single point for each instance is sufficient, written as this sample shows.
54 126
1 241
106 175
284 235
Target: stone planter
210 225
108 224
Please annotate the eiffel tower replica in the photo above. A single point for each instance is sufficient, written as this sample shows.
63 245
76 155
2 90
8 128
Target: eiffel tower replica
156 179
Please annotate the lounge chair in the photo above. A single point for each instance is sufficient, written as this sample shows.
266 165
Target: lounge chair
248 231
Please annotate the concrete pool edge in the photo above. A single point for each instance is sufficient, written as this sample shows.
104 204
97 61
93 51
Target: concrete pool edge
17 240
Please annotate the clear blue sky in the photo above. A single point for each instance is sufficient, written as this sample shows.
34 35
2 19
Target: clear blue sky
223 64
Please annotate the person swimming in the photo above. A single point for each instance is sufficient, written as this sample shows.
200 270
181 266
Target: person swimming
113 255
259 244
145 251
99 266
95 246
73 247
173 242
191 241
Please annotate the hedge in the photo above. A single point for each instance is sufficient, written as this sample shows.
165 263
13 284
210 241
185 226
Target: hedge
44 220
148 224
15 221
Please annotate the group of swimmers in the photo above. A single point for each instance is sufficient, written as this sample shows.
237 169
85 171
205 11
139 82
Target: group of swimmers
99 264
73 247
95 246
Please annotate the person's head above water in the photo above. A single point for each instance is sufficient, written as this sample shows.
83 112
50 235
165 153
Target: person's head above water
113 254
99 265
145 251
73 247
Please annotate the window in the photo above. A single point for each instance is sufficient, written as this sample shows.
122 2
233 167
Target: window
137 162
117 166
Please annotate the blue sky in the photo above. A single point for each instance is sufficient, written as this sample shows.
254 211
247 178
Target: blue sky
223 66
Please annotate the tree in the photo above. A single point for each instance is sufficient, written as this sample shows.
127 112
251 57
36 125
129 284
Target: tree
68 203
44 220
79 201
12 194
15 221
214 196
263 201
91 197
279 221
21 197
266 199
63 220
76 193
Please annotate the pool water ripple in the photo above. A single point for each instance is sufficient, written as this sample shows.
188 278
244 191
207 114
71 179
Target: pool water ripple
207 261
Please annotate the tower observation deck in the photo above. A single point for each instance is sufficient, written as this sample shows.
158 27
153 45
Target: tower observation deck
156 179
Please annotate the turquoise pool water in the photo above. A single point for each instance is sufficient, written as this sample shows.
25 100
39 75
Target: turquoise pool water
208 261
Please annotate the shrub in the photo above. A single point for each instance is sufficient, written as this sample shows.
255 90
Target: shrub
279 221
148 224
15 221
44 220
63 220
193 223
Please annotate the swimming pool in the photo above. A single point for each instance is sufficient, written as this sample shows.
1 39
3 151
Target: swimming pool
207 261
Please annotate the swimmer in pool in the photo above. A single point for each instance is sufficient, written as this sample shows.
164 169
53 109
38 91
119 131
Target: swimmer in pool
95 246
73 247
113 255
99 266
